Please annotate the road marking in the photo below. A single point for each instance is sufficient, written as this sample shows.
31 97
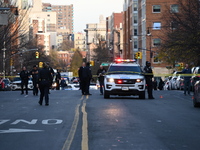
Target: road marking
12 130
72 132
84 142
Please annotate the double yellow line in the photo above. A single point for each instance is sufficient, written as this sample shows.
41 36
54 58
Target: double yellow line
70 138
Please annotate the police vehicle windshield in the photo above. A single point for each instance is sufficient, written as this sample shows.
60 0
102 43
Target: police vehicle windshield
124 70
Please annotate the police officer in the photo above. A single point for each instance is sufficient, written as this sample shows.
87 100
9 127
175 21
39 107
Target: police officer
85 77
24 75
44 81
149 75
34 73
100 75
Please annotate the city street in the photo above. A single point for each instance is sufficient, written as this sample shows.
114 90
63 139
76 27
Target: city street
76 122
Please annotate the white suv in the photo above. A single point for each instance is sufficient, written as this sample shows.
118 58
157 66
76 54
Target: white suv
124 78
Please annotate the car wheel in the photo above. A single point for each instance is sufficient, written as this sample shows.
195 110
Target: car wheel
106 95
142 95
195 103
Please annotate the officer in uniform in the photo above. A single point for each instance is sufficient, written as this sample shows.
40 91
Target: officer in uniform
100 74
24 75
149 75
44 81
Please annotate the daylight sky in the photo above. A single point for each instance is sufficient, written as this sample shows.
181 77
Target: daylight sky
88 11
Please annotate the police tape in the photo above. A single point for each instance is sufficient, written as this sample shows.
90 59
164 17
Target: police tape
126 72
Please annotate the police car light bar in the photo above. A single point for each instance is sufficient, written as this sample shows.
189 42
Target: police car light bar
119 60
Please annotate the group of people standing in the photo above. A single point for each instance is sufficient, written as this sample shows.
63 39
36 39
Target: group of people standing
42 79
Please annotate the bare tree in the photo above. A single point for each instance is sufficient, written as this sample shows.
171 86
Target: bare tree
181 42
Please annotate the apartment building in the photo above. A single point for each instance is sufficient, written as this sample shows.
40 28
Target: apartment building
143 26
80 41
64 18
114 34
95 32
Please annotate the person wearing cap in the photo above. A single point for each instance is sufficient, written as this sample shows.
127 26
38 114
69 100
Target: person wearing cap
148 76
44 81
100 74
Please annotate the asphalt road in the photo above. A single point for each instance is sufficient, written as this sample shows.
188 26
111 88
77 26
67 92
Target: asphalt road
76 122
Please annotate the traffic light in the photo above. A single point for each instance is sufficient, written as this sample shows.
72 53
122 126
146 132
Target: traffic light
11 62
181 65
136 55
92 63
40 64
36 54
139 54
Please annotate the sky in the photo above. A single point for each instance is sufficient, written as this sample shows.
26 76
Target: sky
88 11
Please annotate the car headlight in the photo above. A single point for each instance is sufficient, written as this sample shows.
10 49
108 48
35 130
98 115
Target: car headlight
110 80
139 80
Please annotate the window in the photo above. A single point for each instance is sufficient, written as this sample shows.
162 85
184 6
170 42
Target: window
156 8
135 43
135 5
156 42
135 18
174 8
174 25
156 25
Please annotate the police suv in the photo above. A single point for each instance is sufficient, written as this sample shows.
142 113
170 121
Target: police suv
124 78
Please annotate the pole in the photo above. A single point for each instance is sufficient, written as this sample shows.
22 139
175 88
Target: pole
4 62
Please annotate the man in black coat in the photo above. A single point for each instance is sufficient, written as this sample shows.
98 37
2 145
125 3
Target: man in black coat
149 75
34 74
44 81
85 76
58 78
24 75
100 74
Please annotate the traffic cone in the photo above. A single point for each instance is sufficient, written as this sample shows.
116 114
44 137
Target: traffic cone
161 96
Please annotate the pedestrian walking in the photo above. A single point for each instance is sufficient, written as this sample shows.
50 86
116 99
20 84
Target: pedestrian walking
34 73
100 74
52 74
58 78
148 76
24 75
63 83
85 76
161 84
187 78
44 79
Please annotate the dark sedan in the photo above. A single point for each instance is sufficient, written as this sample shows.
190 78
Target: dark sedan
196 99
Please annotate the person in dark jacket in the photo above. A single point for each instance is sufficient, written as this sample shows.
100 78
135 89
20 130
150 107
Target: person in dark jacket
44 79
58 78
24 75
34 74
161 84
187 78
85 77
100 74
148 76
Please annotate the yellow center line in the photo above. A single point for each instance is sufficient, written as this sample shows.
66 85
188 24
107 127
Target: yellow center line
72 132
84 143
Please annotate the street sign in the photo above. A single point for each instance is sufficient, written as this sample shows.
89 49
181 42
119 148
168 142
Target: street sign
105 64
177 65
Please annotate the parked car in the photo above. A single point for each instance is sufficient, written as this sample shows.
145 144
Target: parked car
196 98
16 84
172 83
195 77
180 82
2 84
